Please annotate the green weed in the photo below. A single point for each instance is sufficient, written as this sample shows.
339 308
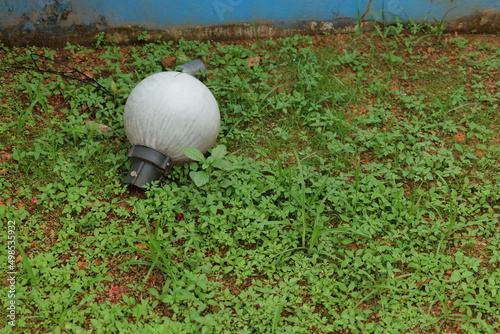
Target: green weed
354 188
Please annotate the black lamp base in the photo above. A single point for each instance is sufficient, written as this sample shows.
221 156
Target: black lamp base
147 165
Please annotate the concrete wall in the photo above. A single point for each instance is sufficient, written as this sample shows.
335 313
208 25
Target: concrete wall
25 19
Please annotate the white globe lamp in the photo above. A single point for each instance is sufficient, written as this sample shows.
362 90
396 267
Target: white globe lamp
164 113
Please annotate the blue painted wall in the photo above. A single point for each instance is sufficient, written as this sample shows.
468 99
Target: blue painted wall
51 16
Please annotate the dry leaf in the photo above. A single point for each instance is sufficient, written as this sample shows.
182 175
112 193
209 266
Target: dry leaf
82 264
101 128
253 61
168 62
460 137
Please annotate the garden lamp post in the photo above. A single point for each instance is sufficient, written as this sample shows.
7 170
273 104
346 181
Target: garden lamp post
164 113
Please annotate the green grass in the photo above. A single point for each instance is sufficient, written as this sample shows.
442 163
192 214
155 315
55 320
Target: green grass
354 188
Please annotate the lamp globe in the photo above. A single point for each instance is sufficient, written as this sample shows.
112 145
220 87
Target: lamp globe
164 113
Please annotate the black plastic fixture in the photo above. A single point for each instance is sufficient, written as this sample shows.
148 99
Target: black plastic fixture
147 165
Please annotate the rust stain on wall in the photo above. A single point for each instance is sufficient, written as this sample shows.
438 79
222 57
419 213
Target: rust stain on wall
481 22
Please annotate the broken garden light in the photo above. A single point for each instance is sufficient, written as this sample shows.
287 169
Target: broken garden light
164 113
